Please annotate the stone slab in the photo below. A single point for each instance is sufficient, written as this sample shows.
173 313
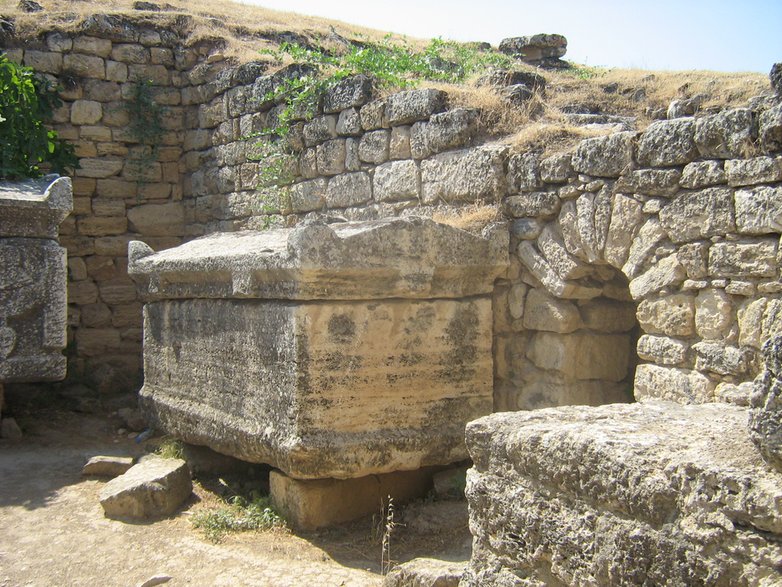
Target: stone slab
34 207
153 488
316 503
654 493
399 257
337 389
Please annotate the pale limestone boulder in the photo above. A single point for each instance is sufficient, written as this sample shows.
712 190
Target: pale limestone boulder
720 358
107 466
626 216
694 257
701 214
414 105
532 204
653 493
759 210
606 156
33 304
544 312
680 385
552 247
730 133
373 115
741 172
666 143
771 129
307 196
350 92
320 129
662 350
744 259
373 147
701 174
556 168
396 180
643 243
765 422
451 129
349 122
538 48
713 314
330 157
326 350
665 273
650 182
348 189
153 488
523 172
543 272
758 321
468 175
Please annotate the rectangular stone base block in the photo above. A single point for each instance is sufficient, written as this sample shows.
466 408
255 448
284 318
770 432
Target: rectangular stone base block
316 503
643 494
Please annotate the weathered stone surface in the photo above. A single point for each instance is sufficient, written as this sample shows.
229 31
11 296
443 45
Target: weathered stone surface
753 171
373 146
700 174
582 355
501 78
555 285
730 133
34 208
701 214
662 350
425 572
603 315
771 129
544 312
606 156
668 142
533 204
744 259
414 105
320 129
349 189
523 172
550 243
617 495
451 129
644 242
309 504
626 216
651 182
395 257
308 195
468 175
153 488
759 210
719 358
758 321
330 157
399 146
158 219
667 272
349 122
679 385
535 48
557 168
325 386
107 466
33 308
765 421
713 314
672 315
368 363
396 180
373 115
350 92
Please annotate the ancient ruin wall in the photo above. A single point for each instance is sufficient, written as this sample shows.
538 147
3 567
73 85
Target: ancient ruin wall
659 241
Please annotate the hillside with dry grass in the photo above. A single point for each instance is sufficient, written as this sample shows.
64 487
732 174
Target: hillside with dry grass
574 104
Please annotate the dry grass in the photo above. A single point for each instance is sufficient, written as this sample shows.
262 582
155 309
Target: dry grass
240 31
470 218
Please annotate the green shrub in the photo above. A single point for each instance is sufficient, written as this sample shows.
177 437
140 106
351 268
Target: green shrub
26 103
239 515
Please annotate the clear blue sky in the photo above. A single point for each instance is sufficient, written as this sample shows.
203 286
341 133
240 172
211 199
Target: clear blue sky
652 34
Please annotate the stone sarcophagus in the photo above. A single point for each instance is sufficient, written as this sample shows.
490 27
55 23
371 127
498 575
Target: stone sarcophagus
328 351
33 306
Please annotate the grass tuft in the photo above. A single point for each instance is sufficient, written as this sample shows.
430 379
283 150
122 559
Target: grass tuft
238 515
170 448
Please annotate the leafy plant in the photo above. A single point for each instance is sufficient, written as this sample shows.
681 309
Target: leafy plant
27 102
238 515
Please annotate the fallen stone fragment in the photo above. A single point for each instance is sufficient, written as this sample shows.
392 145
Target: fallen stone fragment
107 466
10 430
155 580
153 488
425 572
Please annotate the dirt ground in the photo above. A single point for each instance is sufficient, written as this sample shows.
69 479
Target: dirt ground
53 532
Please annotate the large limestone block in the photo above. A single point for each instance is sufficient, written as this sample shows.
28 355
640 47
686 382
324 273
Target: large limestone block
34 208
606 156
653 493
33 307
700 214
339 350
468 175
397 257
582 355
153 488
765 423
320 389
653 382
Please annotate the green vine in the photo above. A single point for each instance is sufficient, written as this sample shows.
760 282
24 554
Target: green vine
145 126
27 102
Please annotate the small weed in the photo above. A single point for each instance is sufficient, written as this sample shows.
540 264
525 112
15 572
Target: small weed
388 530
238 515
170 448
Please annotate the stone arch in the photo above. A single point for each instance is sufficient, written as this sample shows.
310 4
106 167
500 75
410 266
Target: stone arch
698 259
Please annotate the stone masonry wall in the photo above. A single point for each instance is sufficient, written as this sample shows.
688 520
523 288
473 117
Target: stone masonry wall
660 246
